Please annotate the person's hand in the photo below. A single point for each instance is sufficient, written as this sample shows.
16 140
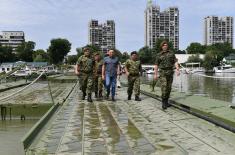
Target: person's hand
77 73
155 77
103 78
127 73
177 72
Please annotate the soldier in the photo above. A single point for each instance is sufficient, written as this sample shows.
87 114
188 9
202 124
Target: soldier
133 69
165 62
110 70
98 82
84 70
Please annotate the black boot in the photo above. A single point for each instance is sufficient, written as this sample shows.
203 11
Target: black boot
137 98
167 103
96 94
164 104
100 94
129 96
107 95
83 95
89 98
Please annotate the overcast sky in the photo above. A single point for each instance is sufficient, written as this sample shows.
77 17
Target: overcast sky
42 20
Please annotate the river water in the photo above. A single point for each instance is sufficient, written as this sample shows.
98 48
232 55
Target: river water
220 86
11 133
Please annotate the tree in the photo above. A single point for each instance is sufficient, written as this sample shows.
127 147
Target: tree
146 55
6 54
58 49
125 56
40 56
25 51
224 48
72 59
195 58
195 48
210 60
180 52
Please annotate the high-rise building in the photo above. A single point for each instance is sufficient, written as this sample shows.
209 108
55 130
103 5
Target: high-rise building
12 38
218 30
102 35
163 24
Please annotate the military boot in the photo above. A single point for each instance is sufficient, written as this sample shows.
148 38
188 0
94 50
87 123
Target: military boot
96 94
100 94
167 103
164 104
107 95
129 96
83 95
137 98
89 98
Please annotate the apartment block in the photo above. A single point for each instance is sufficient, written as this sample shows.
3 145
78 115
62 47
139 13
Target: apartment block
161 24
102 35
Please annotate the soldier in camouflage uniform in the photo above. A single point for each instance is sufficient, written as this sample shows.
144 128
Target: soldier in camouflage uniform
98 82
84 71
165 62
133 69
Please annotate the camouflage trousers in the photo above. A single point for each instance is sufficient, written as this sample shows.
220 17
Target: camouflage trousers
133 82
166 79
98 84
86 82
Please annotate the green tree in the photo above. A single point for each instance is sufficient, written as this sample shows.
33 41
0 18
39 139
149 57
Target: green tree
6 54
195 48
72 59
146 55
210 60
224 48
25 51
125 56
58 49
195 58
40 56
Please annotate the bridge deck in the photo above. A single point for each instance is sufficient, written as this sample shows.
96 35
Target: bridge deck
128 127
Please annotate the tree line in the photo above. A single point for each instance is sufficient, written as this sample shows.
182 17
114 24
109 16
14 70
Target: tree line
55 53
59 48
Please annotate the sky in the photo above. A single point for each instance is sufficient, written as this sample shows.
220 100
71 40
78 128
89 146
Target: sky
43 20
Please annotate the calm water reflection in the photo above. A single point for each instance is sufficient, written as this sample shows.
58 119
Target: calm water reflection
221 89
11 133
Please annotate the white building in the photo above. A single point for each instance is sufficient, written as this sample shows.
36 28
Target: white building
12 38
161 24
102 35
218 30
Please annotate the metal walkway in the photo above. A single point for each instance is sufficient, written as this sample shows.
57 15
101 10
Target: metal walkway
128 127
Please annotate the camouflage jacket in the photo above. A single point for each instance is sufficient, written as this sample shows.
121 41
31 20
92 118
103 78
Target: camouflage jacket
86 64
166 60
98 68
133 67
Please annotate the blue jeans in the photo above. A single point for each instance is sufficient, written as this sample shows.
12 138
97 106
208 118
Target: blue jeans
110 81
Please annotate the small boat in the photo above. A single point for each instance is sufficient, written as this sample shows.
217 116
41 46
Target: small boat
21 73
224 69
